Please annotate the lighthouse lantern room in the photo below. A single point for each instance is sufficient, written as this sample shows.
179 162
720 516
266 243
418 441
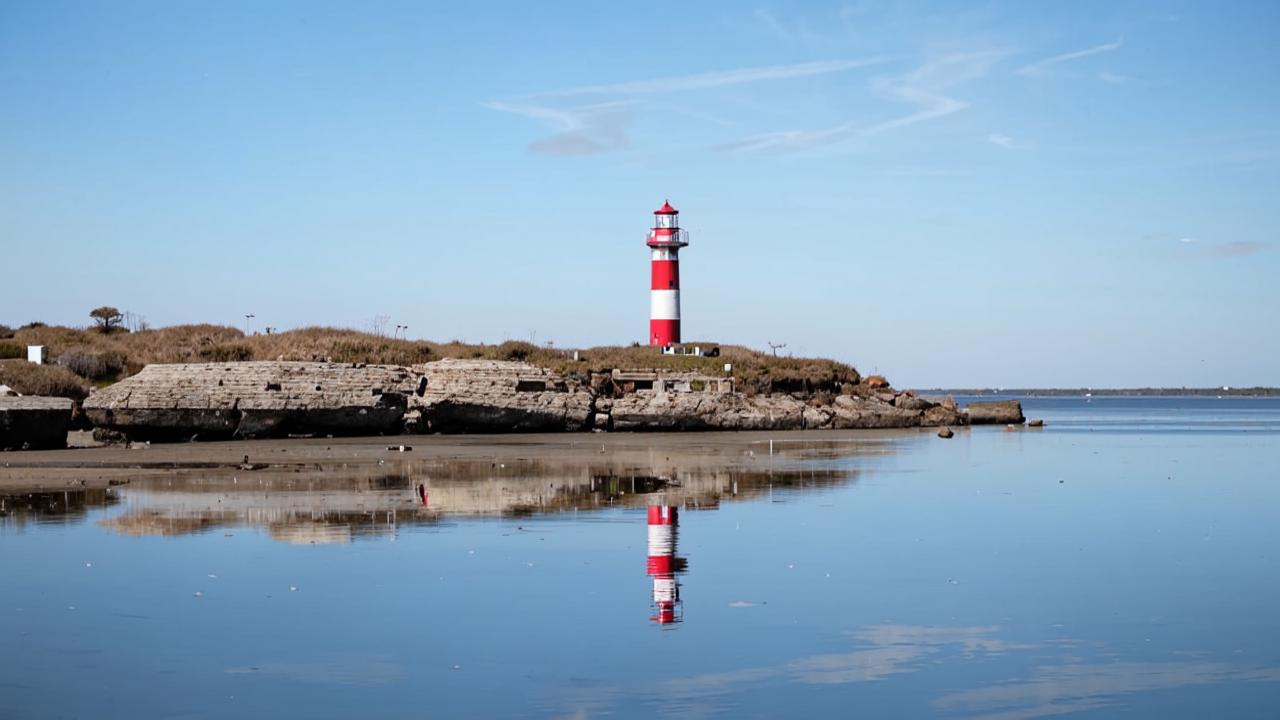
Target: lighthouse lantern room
664 241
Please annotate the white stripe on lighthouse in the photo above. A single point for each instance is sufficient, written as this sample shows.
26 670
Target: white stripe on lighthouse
664 305
665 590
662 540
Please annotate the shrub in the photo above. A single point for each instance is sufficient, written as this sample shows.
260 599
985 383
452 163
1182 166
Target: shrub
51 380
11 350
93 365
352 351
226 353
34 324
516 350
6 332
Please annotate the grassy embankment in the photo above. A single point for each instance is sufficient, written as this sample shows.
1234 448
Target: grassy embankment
81 358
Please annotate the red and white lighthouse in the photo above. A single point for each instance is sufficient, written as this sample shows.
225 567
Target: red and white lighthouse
665 240
663 564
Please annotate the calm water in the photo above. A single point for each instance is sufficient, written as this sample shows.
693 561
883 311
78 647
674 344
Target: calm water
1122 562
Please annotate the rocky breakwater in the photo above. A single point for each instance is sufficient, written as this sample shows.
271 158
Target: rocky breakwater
34 422
499 396
855 408
262 399
254 399
509 396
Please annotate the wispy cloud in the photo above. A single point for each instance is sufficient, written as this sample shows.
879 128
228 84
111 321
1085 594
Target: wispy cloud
931 105
1113 78
715 79
1040 67
1237 248
1003 141
584 130
1240 248
602 127
922 88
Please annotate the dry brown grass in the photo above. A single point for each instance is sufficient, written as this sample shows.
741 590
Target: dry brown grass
31 379
216 343
755 371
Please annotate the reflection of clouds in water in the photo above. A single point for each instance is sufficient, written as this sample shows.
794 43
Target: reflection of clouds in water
1058 689
1046 710
973 639
894 649
1072 687
859 666
348 670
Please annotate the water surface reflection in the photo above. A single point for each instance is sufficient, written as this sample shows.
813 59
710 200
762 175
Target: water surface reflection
995 574
663 565
53 508
1065 683
370 503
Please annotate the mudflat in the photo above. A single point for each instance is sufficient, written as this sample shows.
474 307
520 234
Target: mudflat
334 458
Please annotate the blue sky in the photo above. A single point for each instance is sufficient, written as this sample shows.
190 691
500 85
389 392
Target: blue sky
989 194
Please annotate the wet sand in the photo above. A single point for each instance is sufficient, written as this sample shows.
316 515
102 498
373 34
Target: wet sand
98 467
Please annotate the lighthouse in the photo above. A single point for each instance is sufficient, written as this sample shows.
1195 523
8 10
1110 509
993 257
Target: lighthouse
662 564
664 241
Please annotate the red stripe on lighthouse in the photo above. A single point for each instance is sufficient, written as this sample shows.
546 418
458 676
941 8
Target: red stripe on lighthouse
666 274
662 514
664 332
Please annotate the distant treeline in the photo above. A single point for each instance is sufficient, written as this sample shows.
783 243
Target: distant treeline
1112 392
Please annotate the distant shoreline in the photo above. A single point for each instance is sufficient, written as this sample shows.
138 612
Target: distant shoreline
1110 392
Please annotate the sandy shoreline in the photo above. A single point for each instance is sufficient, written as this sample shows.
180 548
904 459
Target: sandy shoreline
98 467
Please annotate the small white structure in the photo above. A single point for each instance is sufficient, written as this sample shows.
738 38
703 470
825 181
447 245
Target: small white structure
38 354
692 350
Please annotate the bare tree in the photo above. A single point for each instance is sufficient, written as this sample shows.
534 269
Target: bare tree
134 322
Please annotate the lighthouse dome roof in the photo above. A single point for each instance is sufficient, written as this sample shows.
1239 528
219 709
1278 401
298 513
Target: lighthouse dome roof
666 209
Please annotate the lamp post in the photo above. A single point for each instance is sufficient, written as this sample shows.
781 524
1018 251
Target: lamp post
247 318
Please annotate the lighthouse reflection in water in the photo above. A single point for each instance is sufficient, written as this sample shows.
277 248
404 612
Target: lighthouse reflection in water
663 565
